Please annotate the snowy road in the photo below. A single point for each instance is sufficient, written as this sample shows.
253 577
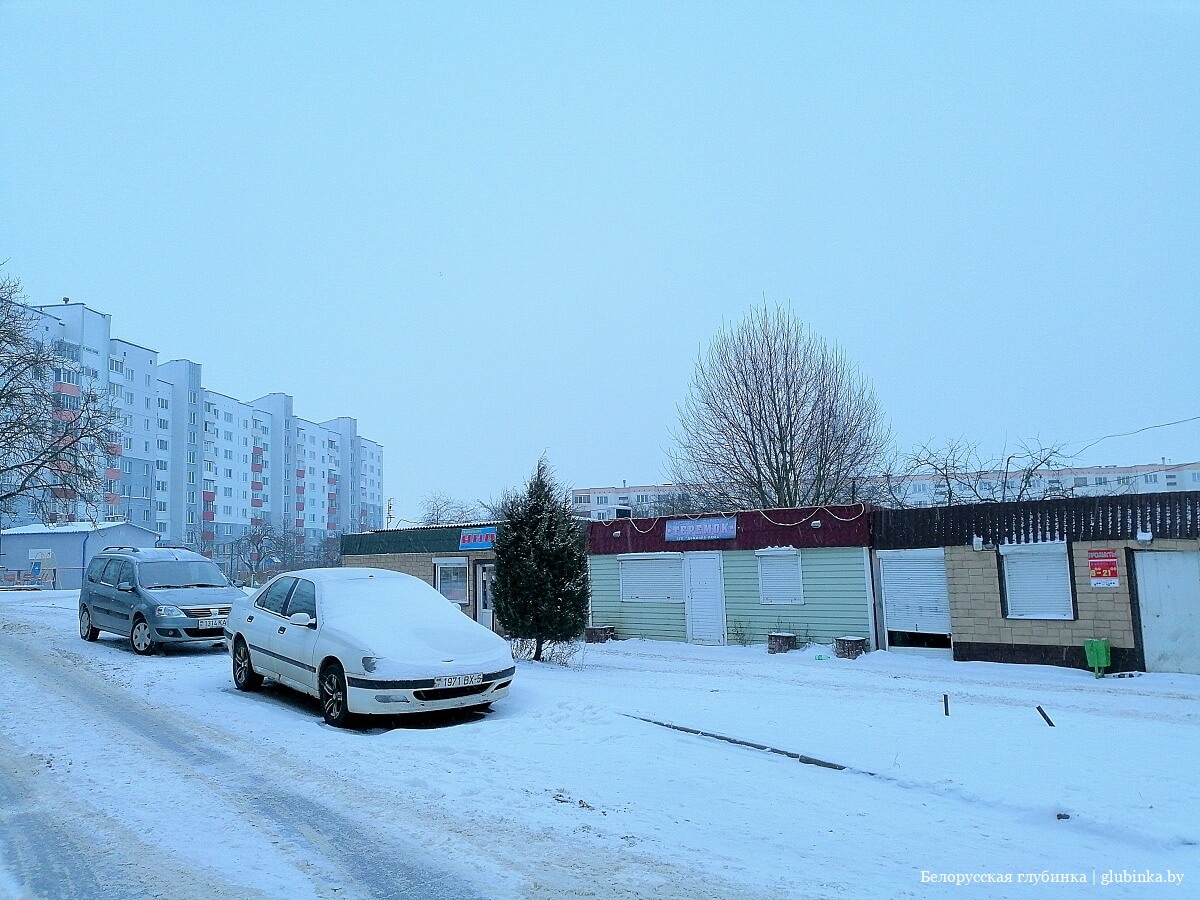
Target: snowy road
123 776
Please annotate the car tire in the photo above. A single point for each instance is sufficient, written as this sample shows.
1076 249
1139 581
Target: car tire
333 695
87 630
244 676
141 638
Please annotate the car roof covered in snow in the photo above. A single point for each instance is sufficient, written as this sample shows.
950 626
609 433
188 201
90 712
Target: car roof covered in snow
154 554
348 574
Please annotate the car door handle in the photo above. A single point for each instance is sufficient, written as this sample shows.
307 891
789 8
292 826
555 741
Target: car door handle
282 629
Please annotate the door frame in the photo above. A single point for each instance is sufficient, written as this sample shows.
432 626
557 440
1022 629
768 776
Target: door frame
1135 601
480 565
687 593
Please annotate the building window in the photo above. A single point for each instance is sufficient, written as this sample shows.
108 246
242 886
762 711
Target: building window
450 577
651 577
779 575
1081 481
1037 581
160 465
1150 478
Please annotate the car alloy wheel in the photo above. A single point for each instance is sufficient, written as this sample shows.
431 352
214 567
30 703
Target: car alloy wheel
140 638
244 676
86 631
333 695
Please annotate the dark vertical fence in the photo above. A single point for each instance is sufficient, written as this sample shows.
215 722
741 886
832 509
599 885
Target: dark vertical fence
1122 517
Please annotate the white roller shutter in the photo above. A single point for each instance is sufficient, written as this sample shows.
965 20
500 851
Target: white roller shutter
652 578
915 596
1037 581
779 577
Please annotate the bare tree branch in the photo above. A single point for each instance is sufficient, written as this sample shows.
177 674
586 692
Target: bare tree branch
59 432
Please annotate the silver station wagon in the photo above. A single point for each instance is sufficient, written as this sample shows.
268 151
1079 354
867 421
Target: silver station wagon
155 597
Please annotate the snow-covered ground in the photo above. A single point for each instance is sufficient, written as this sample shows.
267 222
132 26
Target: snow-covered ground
125 776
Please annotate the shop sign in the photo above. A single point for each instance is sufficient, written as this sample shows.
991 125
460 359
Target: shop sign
477 538
1102 564
717 529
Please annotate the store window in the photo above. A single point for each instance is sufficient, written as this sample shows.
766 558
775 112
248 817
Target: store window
1037 581
450 578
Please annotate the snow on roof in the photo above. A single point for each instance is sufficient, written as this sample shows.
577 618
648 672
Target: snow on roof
67 528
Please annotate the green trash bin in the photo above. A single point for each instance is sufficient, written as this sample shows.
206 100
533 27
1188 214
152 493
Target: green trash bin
1099 655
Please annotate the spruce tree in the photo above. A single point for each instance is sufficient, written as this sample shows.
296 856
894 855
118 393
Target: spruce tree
541 579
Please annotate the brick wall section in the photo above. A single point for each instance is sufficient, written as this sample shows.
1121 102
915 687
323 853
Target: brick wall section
976 615
421 566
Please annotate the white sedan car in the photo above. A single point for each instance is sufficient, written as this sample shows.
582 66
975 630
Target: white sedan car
366 641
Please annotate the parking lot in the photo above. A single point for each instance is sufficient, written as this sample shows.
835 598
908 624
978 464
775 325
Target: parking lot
125 776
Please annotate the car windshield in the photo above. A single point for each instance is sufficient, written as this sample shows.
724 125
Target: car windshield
180 574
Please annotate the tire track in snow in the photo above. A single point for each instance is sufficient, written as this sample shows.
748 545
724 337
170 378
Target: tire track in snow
364 863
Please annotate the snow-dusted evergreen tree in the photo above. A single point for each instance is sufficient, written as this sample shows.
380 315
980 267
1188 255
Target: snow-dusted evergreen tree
541 580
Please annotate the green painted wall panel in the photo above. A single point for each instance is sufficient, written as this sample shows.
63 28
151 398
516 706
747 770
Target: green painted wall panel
655 621
835 598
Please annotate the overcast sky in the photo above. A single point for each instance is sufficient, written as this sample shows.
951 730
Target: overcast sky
499 230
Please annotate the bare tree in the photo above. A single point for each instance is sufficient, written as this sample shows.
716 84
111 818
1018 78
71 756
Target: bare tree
776 416
442 509
58 433
957 472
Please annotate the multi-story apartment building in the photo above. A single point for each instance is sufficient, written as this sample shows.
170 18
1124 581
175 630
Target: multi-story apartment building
200 467
1082 481
607 502
927 490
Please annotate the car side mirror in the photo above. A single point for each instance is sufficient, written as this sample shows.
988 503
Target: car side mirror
302 620
126 586
239 584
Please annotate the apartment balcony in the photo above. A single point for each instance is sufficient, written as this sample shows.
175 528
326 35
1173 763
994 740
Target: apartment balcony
256 450
299 539
207 553
207 516
257 504
58 492
331 527
255 556
111 474
256 485
66 388
256 467
207 535
300 473
331 496
299 490
299 523
209 496
256 522
66 415
332 479
332 511
112 499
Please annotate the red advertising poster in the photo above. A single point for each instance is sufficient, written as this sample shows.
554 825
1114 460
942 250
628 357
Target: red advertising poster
1104 569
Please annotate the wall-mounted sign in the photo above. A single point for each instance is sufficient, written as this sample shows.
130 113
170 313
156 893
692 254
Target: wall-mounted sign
1102 564
717 529
477 538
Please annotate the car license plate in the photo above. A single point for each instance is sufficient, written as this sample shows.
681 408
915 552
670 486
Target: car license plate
214 623
446 681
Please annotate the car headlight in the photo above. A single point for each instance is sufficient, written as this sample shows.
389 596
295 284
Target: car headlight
368 663
168 612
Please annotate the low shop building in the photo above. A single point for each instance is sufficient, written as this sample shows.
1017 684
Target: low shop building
456 559
733 578
1030 582
55 556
